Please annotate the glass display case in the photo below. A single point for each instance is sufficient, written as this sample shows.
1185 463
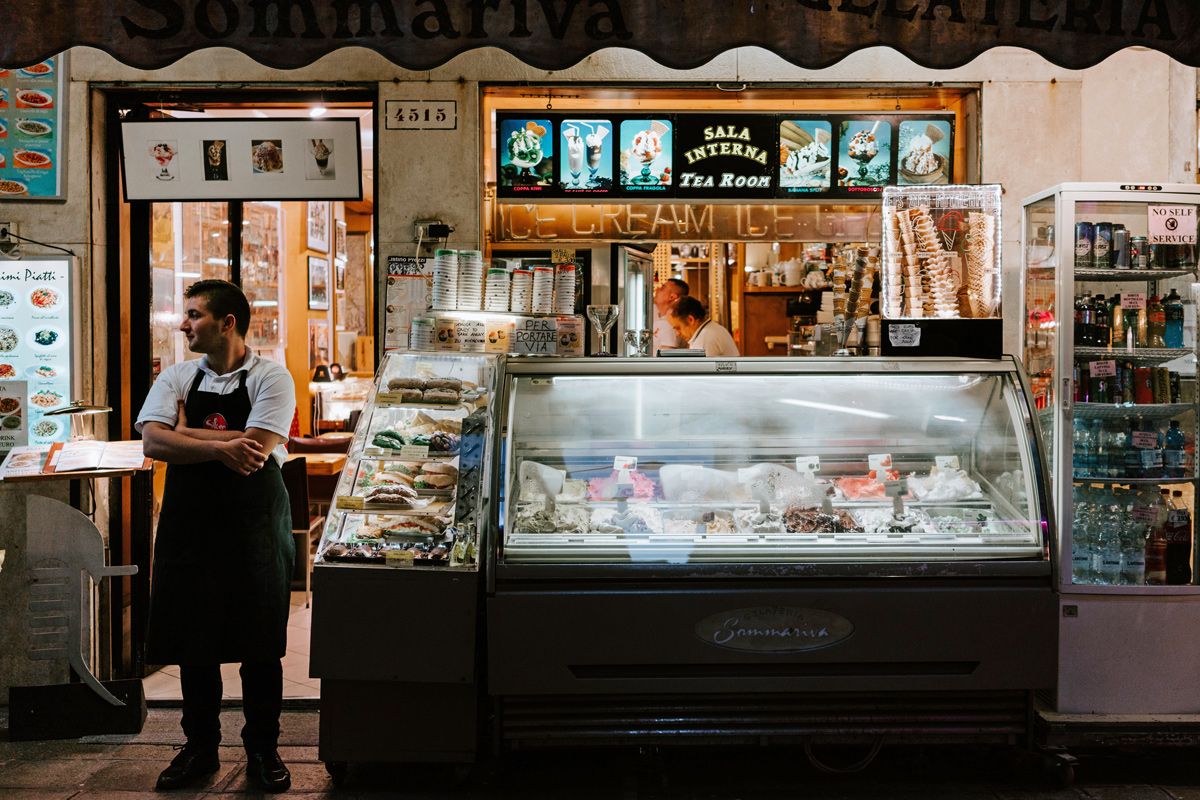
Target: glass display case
788 461
409 495
1110 339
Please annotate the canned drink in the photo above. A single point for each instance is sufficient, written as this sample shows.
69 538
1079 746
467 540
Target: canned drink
1085 243
1103 245
1143 385
1139 252
1176 388
1120 247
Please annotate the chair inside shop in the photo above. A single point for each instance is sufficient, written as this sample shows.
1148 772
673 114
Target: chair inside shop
306 527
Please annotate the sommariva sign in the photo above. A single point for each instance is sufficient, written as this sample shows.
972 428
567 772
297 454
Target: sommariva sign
554 34
774 629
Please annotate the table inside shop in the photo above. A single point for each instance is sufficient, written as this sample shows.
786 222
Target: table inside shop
321 463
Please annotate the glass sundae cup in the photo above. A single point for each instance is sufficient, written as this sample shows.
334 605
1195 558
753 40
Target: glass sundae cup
603 317
575 149
595 149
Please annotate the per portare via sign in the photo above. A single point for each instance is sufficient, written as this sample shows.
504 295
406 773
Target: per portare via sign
1174 224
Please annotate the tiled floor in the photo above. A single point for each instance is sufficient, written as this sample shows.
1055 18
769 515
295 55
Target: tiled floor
164 684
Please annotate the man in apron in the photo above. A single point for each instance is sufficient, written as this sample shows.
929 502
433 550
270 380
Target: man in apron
223 552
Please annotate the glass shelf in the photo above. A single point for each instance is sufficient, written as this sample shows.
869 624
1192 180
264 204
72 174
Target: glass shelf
1141 355
1130 411
1106 481
1095 275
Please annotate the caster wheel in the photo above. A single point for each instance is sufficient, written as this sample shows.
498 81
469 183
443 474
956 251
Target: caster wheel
338 770
1064 776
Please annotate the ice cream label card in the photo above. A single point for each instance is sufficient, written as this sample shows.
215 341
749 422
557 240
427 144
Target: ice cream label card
525 156
646 156
725 156
585 162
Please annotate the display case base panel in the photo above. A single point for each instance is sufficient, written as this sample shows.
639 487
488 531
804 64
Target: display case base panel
384 624
528 722
952 637
369 722
942 338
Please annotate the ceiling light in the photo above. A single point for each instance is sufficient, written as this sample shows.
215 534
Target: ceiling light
318 111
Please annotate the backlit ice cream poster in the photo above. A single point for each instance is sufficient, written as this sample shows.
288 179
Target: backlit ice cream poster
865 155
526 155
646 155
924 148
805 155
35 345
29 135
585 156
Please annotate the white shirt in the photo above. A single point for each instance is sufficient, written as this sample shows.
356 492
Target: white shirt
664 334
714 340
270 386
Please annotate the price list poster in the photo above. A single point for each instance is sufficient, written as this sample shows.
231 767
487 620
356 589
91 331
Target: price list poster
31 135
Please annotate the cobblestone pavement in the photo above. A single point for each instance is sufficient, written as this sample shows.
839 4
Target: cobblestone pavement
125 768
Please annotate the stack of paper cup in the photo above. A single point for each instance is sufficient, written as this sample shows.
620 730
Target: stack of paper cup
420 335
564 289
470 280
521 301
445 280
495 296
543 290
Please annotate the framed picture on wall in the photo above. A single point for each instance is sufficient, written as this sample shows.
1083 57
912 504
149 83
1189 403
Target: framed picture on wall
318 343
339 240
339 274
318 283
318 226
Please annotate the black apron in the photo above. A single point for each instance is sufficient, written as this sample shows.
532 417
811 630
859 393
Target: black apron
224 553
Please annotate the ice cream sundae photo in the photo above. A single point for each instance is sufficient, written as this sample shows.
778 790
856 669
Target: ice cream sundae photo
804 155
644 147
163 153
321 151
869 144
267 155
923 146
526 153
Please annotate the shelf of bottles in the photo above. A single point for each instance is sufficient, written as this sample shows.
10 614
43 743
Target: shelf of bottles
1128 429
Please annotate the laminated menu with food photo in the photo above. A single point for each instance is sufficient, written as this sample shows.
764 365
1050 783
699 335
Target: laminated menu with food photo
30 131
36 344
410 492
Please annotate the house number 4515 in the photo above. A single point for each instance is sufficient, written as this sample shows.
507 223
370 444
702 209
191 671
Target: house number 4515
422 115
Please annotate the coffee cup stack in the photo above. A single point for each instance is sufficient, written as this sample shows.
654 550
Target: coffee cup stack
420 335
470 280
521 301
445 280
496 293
543 290
564 289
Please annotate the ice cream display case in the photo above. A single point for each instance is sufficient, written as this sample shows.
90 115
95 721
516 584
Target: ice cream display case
750 548
402 534
1110 288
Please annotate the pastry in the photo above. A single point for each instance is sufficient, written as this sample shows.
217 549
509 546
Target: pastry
397 490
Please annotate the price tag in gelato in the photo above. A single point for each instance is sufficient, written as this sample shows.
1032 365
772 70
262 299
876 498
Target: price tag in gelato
414 451
946 462
1145 440
1103 369
877 462
622 463
1133 300
809 464
895 488
1144 514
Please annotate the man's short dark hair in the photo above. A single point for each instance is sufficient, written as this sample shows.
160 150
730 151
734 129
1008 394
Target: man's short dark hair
679 284
222 299
686 307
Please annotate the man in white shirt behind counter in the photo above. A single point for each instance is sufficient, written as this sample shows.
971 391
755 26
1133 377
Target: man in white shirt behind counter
665 296
688 319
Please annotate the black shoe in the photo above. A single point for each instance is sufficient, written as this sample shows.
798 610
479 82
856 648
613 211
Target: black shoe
268 772
187 768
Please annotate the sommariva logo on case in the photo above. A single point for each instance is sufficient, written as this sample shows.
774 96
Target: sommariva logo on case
774 629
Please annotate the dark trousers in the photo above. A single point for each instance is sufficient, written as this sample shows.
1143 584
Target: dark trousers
262 701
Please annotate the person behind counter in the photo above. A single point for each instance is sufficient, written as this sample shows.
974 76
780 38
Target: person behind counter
665 296
223 554
690 323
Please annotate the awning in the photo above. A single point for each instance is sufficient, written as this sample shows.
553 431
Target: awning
555 34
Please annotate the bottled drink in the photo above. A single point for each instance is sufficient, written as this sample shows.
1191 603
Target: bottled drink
1133 457
1116 322
1179 541
1173 451
1083 319
1100 323
1083 439
1156 545
1173 313
1098 387
1108 541
1150 451
1133 547
1118 444
1081 538
1156 322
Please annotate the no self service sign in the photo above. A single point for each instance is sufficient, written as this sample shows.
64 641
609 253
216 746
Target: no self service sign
1172 224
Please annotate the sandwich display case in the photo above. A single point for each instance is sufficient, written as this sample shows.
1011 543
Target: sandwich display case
1110 288
764 549
396 576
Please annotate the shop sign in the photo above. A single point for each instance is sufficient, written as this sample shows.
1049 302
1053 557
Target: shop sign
774 629
421 115
1172 224
719 156
687 222
557 34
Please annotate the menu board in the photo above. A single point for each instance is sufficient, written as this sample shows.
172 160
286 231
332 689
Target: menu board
728 156
35 341
31 134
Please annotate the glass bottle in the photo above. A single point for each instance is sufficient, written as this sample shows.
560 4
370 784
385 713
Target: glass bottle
1173 311
1156 322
